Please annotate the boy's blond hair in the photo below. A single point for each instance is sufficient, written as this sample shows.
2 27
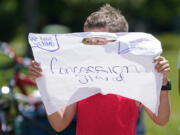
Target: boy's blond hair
107 17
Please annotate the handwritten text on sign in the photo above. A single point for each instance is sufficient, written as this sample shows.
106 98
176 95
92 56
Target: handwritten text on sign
87 74
74 68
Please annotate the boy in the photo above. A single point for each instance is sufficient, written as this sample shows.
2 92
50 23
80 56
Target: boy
107 114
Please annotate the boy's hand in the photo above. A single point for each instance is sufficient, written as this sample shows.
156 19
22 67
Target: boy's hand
162 67
34 70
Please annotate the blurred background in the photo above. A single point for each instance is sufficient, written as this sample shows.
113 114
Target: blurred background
19 17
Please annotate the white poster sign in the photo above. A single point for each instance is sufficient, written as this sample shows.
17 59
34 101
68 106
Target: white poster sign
74 70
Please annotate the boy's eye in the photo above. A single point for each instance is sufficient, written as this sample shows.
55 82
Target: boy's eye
88 41
96 41
100 42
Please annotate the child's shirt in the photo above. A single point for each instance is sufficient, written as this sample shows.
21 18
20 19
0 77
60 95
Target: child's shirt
107 115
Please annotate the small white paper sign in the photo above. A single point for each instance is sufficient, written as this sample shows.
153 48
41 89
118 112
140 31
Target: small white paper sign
73 71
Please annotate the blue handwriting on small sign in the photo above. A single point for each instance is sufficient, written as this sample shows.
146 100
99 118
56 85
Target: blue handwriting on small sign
48 43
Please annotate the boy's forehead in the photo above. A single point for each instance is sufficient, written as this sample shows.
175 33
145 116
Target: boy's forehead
96 29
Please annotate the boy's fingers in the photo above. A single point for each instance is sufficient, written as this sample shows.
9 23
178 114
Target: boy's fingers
167 70
32 68
34 75
34 63
158 58
162 68
161 63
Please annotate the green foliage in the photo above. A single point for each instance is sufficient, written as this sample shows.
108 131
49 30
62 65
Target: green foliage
72 12
13 13
162 11
169 41
10 18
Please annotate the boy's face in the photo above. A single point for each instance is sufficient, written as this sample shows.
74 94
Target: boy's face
97 40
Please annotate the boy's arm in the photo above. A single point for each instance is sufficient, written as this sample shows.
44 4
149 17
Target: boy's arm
62 118
163 112
164 107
